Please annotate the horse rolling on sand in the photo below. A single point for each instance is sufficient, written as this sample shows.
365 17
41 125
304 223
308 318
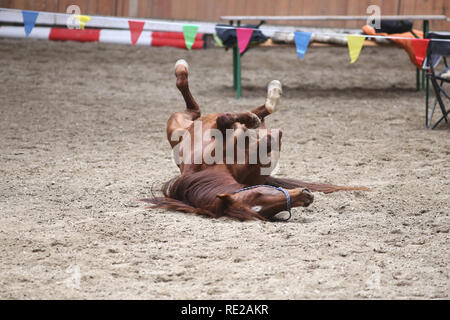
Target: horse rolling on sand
238 183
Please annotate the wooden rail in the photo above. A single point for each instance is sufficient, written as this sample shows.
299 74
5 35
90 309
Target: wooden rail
327 18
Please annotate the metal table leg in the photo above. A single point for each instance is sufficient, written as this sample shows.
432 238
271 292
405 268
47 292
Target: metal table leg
417 79
426 24
234 63
235 50
427 99
238 68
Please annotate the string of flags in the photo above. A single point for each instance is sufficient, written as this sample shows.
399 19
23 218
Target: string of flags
136 27
355 43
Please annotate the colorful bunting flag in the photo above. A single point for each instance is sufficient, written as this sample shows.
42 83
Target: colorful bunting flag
301 42
29 20
190 32
355 44
420 47
243 37
82 20
136 28
218 41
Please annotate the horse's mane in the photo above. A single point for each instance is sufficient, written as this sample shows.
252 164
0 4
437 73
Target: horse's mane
200 189
196 193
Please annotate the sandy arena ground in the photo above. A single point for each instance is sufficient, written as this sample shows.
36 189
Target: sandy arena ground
82 138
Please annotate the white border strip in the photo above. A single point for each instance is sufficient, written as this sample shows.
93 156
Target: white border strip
60 19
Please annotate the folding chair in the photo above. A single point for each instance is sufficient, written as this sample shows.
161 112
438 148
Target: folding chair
437 51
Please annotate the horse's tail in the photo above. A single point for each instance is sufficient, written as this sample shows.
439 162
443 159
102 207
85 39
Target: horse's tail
318 187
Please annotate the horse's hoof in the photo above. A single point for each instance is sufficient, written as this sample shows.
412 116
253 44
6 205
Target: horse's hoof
308 197
181 66
274 91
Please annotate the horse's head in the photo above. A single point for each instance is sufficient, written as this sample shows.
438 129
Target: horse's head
264 201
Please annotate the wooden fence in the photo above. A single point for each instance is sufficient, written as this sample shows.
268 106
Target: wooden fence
211 10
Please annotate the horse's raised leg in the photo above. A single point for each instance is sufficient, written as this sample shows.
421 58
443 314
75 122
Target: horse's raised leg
227 120
182 120
274 91
181 72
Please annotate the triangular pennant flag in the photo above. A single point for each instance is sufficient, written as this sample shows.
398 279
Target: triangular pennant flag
136 28
420 47
243 38
218 41
355 44
301 42
82 20
189 32
29 20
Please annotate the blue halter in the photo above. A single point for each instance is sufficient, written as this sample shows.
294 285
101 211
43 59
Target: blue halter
288 197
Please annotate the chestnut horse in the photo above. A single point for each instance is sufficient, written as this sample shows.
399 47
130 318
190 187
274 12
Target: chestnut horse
242 190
